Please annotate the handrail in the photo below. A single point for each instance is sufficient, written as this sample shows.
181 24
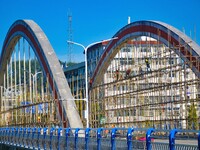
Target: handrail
53 138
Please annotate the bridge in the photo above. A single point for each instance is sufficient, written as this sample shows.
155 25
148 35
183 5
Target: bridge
147 77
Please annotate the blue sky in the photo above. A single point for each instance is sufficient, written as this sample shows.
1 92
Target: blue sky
94 20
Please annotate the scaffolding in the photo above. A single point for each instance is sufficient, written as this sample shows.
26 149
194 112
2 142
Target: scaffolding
146 84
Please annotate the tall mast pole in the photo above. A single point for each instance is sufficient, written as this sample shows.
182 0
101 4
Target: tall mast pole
69 46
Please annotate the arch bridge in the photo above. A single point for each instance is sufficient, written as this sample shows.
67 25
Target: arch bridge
149 76
34 90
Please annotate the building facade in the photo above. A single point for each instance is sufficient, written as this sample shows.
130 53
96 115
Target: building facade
146 84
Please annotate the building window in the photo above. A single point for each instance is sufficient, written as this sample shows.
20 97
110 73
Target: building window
171 61
173 74
9 103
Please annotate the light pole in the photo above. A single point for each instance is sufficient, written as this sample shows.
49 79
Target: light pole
34 76
86 70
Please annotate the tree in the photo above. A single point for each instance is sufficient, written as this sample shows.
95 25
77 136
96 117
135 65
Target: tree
71 63
148 123
192 117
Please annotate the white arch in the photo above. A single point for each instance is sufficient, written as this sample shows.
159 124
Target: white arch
48 60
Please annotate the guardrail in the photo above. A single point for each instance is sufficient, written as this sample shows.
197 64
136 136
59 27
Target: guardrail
100 138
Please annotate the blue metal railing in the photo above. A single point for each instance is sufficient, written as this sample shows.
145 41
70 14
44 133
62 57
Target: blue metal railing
100 138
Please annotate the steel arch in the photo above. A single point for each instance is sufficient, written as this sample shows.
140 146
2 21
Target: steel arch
188 50
40 44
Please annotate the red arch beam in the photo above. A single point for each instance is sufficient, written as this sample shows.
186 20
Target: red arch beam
142 27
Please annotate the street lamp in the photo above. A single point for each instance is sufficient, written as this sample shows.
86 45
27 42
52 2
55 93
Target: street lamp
34 76
86 70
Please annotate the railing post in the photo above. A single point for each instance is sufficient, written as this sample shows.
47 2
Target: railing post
199 140
67 133
38 137
9 132
87 133
44 137
33 137
16 136
11 135
51 137
59 131
99 138
24 132
148 138
7 135
5 138
172 139
8 139
4 135
113 134
76 139
0 135
28 134
20 135
129 138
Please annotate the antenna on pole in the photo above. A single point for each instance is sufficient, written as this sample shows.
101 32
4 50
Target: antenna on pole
129 19
195 33
69 46
183 30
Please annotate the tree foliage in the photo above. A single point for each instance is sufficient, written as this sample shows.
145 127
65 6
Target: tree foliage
148 123
71 63
192 117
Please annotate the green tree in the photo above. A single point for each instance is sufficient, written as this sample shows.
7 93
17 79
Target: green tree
192 117
71 63
148 123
